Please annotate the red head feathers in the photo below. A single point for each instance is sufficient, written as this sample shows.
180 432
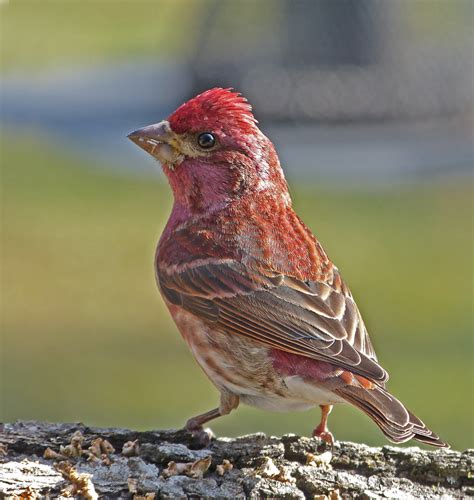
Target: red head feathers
240 159
214 109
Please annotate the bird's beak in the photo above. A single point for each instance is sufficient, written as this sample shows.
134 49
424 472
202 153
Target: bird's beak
159 141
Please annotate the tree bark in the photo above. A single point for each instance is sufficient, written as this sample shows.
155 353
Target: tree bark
41 459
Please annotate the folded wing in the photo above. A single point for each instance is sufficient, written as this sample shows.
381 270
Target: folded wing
309 318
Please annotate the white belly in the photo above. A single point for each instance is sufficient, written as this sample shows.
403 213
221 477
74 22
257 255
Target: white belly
301 396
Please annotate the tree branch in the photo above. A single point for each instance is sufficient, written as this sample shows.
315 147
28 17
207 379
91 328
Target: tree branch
47 459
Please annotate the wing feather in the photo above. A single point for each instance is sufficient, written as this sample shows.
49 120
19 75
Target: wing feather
308 318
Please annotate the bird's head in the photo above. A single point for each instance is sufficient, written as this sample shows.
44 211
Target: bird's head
212 151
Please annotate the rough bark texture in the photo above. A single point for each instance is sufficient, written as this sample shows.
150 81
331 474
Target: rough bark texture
40 459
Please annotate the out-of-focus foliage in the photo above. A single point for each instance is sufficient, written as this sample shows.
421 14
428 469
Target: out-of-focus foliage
53 32
37 35
86 336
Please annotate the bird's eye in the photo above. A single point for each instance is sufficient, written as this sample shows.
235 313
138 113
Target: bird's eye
206 140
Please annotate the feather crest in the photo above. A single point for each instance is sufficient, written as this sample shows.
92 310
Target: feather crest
214 109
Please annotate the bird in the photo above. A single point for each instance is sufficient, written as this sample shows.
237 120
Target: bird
264 311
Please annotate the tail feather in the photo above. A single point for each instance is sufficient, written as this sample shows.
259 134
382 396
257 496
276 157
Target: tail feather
395 421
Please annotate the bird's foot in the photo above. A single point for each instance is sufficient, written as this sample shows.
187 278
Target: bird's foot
200 434
325 435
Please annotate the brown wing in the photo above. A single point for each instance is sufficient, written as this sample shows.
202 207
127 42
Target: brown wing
312 319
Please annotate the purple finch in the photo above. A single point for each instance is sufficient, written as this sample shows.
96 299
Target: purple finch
263 309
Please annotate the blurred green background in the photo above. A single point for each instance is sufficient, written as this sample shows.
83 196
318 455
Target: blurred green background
85 334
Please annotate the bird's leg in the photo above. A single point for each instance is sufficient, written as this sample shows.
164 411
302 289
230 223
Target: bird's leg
322 430
228 403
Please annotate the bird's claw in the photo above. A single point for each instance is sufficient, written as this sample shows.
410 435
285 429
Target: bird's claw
325 436
200 434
